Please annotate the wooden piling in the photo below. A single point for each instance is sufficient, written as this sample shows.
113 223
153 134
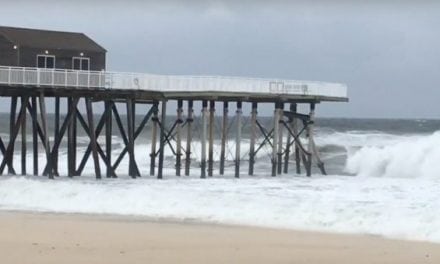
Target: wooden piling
108 136
12 116
56 133
203 140
289 140
155 120
211 138
276 125
189 121
280 138
162 139
34 116
238 140
224 137
309 130
179 137
71 142
293 108
130 134
253 137
23 136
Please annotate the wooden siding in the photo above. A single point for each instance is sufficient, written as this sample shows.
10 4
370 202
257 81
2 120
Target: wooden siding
8 56
63 58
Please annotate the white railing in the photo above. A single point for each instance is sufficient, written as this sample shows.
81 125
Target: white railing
51 77
166 83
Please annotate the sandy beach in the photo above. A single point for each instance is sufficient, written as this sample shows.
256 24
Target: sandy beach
69 238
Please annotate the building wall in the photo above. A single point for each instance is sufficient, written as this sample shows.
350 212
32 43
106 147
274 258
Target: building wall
8 56
63 58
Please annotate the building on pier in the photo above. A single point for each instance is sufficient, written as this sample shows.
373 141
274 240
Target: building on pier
289 137
50 49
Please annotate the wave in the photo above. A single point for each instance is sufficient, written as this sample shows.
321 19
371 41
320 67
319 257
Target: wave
398 180
410 156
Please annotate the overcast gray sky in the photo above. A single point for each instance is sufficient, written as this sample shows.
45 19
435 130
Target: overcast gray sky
387 52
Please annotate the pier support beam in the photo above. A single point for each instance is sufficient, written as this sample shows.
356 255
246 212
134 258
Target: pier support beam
162 139
224 137
276 126
34 116
23 136
56 134
297 147
203 140
130 134
253 137
155 120
238 140
108 136
280 139
189 122
71 142
289 139
179 137
211 138
13 113
309 131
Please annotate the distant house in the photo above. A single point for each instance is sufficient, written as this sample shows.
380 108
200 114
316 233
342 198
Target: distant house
50 49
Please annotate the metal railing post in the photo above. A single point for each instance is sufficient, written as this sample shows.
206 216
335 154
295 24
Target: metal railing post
38 77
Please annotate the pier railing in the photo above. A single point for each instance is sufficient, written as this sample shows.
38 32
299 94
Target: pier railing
25 76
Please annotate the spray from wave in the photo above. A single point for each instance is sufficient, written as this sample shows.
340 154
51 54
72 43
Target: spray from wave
407 156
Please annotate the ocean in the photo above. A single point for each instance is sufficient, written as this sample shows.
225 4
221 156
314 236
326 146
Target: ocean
383 180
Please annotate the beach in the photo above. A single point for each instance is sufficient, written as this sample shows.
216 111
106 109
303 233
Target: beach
76 238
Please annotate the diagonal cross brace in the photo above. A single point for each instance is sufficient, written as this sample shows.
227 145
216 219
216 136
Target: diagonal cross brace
136 134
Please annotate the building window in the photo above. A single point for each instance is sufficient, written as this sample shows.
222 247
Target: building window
46 61
81 63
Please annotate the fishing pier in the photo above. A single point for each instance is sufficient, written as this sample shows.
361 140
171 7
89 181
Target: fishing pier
69 70
29 88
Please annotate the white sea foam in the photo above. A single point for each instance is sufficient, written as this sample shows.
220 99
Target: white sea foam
399 208
410 156
396 196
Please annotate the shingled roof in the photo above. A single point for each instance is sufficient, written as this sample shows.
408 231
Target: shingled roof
45 39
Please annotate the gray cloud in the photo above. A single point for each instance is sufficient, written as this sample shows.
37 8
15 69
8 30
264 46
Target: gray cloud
386 51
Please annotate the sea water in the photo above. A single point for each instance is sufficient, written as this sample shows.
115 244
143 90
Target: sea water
384 179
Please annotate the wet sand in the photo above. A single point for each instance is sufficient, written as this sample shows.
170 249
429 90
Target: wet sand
72 238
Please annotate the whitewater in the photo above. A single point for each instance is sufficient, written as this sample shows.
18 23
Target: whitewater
383 183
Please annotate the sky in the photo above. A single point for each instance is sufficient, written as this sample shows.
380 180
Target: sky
387 52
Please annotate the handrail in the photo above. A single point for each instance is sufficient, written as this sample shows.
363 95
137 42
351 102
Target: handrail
40 77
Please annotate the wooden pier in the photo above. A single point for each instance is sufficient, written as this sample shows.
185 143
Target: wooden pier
83 95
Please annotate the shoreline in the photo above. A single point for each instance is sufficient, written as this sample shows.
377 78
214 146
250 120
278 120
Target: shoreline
78 238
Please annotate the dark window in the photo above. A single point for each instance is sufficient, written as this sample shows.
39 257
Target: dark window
76 64
85 65
41 62
46 61
81 63
50 62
